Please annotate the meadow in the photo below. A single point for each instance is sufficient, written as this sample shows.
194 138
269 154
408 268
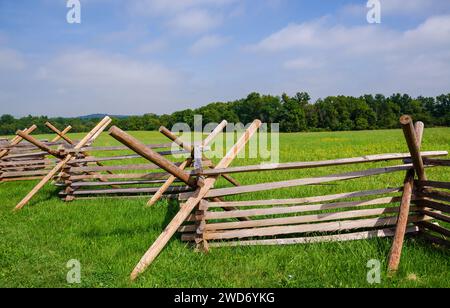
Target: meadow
109 236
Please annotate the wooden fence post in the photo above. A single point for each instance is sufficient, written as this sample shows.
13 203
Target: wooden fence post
413 145
186 163
151 155
60 134
191 203
100 126
415 136
16 140
64 132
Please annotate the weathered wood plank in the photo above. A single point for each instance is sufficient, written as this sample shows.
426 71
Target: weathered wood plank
436 215
147 190
315 164
149 154
189 206
413 145
320 227
437 162
389 232
100 126
434 227
95 184
147 176
435 194
315 199
400 231
294 220
299 209
433 184
221 192
434 205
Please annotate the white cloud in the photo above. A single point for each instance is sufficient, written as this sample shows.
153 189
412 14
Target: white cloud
194 21
207 43
89 82
330 59
319 35
188 16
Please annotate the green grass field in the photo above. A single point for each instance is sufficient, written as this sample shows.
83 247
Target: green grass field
109 236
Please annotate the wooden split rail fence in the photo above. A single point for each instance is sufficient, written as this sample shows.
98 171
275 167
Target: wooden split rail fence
131 179
21 160
208 221
415 206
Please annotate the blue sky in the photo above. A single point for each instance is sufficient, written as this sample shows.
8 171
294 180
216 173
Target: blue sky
159 56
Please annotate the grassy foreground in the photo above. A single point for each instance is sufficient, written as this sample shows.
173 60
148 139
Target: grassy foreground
109 236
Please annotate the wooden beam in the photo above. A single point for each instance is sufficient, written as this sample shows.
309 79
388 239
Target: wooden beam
436 215
433 184
191 203
415 136
434 227
442 207
400 231
64 132
38 144
437 162
102 125
388 232
190 149
315 164
413 145
157 196
16 140
149 154
435 194
343 225
59 133
299 209
298 201
221 192
293 220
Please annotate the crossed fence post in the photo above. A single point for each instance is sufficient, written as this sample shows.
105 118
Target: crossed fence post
201 191
16 140
413 135
157 196
65 158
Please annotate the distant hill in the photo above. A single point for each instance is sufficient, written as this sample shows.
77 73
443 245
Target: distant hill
100 116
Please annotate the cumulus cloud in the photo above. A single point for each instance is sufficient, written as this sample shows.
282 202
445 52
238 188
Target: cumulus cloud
187 16
194 21
331 59
86 81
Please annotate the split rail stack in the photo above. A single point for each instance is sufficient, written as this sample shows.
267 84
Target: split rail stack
208 221
83 180
434 201
339 217
21 160
118 174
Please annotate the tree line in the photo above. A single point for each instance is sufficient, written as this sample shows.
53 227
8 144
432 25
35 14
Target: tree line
294 114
